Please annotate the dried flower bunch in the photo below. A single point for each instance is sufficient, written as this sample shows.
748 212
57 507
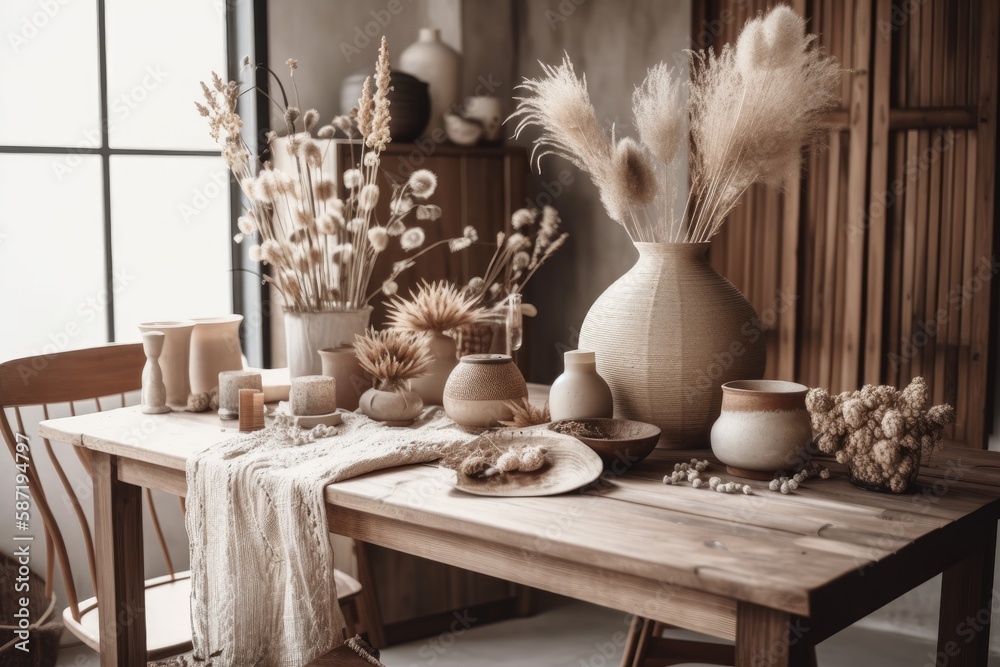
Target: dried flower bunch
435 307
535 237
484 458
749 111
322 249
524 414
392 357
879 431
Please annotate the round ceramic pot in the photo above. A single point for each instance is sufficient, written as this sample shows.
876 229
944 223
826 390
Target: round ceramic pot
175 358
667 334
342 364
444 358
478 390
308 333
398 407
764 427
580 393
409 100
215 347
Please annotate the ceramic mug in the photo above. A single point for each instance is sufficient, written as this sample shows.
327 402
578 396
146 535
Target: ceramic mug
764 427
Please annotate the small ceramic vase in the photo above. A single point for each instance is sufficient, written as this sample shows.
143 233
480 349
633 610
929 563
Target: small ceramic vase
488 111
154 393
342 364
215 347
580 393
397 406
764 427
174 361
430 387
479 389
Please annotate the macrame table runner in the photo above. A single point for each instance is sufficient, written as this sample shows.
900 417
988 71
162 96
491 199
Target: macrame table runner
262 586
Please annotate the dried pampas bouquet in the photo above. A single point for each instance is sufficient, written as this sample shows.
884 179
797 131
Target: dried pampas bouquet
749 111
435 307
392 357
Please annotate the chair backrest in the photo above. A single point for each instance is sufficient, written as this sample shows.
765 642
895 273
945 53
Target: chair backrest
67 378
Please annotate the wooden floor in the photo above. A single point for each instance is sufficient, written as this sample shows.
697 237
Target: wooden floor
575 634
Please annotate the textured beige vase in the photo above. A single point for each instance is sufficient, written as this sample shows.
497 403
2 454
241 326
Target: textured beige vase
668 334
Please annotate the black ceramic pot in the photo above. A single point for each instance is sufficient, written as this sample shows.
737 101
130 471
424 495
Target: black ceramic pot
409 103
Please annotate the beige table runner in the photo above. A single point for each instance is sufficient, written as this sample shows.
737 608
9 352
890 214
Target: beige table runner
262 585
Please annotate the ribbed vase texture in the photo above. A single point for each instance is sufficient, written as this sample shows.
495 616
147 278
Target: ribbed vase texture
668 334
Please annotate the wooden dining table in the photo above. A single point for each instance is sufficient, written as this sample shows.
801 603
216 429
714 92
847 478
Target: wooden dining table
775 573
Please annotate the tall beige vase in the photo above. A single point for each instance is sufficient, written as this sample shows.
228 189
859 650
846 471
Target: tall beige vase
668 334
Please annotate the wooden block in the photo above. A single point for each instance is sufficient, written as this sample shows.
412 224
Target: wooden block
251 410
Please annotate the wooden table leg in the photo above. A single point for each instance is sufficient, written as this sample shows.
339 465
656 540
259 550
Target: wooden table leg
966 607
770 638
118 545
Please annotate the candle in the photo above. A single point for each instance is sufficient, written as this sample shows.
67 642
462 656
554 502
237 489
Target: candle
230 384
313 395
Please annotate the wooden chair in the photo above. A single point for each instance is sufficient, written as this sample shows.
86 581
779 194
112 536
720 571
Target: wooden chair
92 375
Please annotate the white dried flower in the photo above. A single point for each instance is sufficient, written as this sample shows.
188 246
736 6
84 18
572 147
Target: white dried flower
747 490
476 284
292 63
356 225
422 183
428 212
412 238
470 233
396 227
310 118
326 132
520 263
401 206
371 160
697 482
389 288
378 238
246 225
522 218
659 112
459 244
352 178
254 252
368 197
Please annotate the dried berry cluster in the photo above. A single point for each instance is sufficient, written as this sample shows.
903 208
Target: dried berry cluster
879 431
691 472
785 484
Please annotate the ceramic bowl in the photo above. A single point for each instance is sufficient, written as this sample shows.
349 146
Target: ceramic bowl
764 427
624 443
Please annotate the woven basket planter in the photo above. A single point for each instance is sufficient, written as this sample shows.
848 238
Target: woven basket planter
668 334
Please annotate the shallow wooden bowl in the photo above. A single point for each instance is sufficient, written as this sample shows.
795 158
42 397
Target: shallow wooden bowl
628 442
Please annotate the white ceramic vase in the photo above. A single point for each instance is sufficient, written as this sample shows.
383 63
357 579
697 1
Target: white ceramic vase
444 357
154 393
764 427
215 347
175 358
580 392
395 407
436 63
308 333
668 334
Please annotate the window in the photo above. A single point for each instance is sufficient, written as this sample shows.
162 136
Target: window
115 207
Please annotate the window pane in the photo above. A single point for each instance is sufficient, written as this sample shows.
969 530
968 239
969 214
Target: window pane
157 54
49 74
170 235
52 277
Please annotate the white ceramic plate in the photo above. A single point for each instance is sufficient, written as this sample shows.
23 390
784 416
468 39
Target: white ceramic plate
569 465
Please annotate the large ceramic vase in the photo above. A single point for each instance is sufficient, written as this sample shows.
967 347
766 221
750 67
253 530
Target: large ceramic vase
308 333
433 61
444 358
668 334
175 358
215 347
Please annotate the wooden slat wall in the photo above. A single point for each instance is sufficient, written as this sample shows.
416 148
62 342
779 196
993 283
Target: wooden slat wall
876 266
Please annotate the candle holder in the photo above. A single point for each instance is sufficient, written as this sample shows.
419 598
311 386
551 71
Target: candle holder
230 384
